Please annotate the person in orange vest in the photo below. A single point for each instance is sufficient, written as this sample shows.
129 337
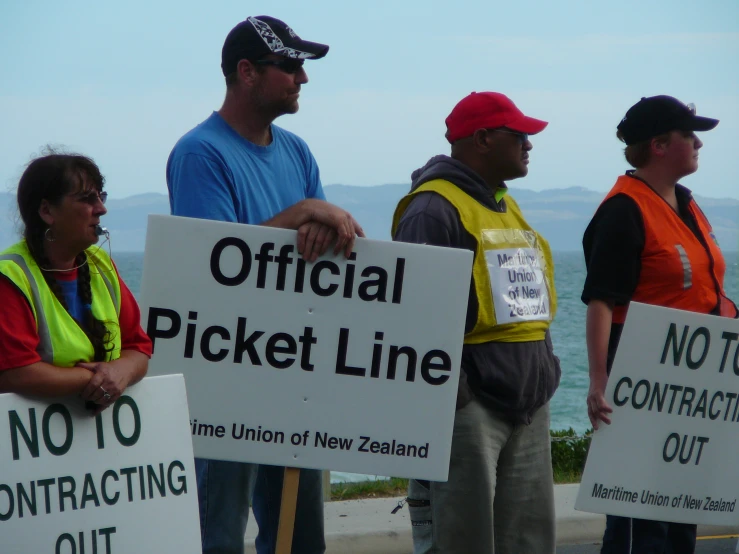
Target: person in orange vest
649 242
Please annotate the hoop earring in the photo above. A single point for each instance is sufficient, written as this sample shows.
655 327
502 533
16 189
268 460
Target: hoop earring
48 235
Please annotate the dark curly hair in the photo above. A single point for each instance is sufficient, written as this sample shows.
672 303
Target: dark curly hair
51 178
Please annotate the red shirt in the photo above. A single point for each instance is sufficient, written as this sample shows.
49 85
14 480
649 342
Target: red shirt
19 335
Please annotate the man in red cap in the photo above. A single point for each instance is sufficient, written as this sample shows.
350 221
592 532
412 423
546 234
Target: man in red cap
499 496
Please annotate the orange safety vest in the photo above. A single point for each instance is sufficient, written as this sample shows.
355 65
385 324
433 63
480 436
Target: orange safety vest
677 269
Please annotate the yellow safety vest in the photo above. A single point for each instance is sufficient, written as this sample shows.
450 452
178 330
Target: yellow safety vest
61 340
524 297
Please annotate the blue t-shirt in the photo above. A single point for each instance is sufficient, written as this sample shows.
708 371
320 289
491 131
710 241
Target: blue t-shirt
74 303
215 173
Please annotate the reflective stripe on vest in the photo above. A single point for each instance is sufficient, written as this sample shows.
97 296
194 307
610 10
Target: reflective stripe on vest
111 290
61 339
687 271
45 348
497 234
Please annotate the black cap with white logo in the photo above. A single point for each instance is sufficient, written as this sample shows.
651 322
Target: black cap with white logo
262 35
657 115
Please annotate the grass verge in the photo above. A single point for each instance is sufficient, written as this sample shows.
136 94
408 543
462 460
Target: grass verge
397 486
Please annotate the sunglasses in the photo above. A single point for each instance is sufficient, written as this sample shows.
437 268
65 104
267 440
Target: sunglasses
523 137
287 65
93 197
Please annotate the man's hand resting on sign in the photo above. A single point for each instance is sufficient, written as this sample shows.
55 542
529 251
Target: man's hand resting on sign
316 220
314 238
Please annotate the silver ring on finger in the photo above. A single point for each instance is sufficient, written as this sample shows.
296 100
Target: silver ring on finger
106 394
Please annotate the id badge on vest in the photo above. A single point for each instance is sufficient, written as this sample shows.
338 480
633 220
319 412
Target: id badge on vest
518 277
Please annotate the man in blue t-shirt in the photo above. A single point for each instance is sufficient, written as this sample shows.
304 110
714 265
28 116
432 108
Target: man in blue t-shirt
238 166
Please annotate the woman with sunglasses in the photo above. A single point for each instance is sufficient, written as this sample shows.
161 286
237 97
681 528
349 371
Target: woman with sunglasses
649 242
68 323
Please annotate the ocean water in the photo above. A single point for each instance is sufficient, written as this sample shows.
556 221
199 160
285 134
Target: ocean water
568 329
568 335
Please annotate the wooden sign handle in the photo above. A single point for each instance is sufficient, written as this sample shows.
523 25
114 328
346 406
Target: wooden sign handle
287 510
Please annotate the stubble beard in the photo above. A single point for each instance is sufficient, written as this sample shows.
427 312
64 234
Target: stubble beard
278 108
273 108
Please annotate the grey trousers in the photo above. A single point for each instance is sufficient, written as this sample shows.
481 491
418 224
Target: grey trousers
500 493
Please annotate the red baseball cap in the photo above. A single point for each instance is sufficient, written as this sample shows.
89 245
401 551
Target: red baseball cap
488 110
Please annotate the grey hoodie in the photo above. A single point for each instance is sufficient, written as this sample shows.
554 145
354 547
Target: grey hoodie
514 378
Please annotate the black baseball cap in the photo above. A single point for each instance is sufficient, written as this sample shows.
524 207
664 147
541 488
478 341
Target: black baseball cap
262 35
657 115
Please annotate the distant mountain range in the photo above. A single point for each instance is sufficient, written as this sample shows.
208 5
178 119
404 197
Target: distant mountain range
560 215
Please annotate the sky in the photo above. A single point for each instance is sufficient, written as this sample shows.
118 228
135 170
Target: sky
121 82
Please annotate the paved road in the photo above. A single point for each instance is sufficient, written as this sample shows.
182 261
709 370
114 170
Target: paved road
705 546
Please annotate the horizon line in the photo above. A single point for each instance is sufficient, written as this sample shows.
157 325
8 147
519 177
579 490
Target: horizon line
514 189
